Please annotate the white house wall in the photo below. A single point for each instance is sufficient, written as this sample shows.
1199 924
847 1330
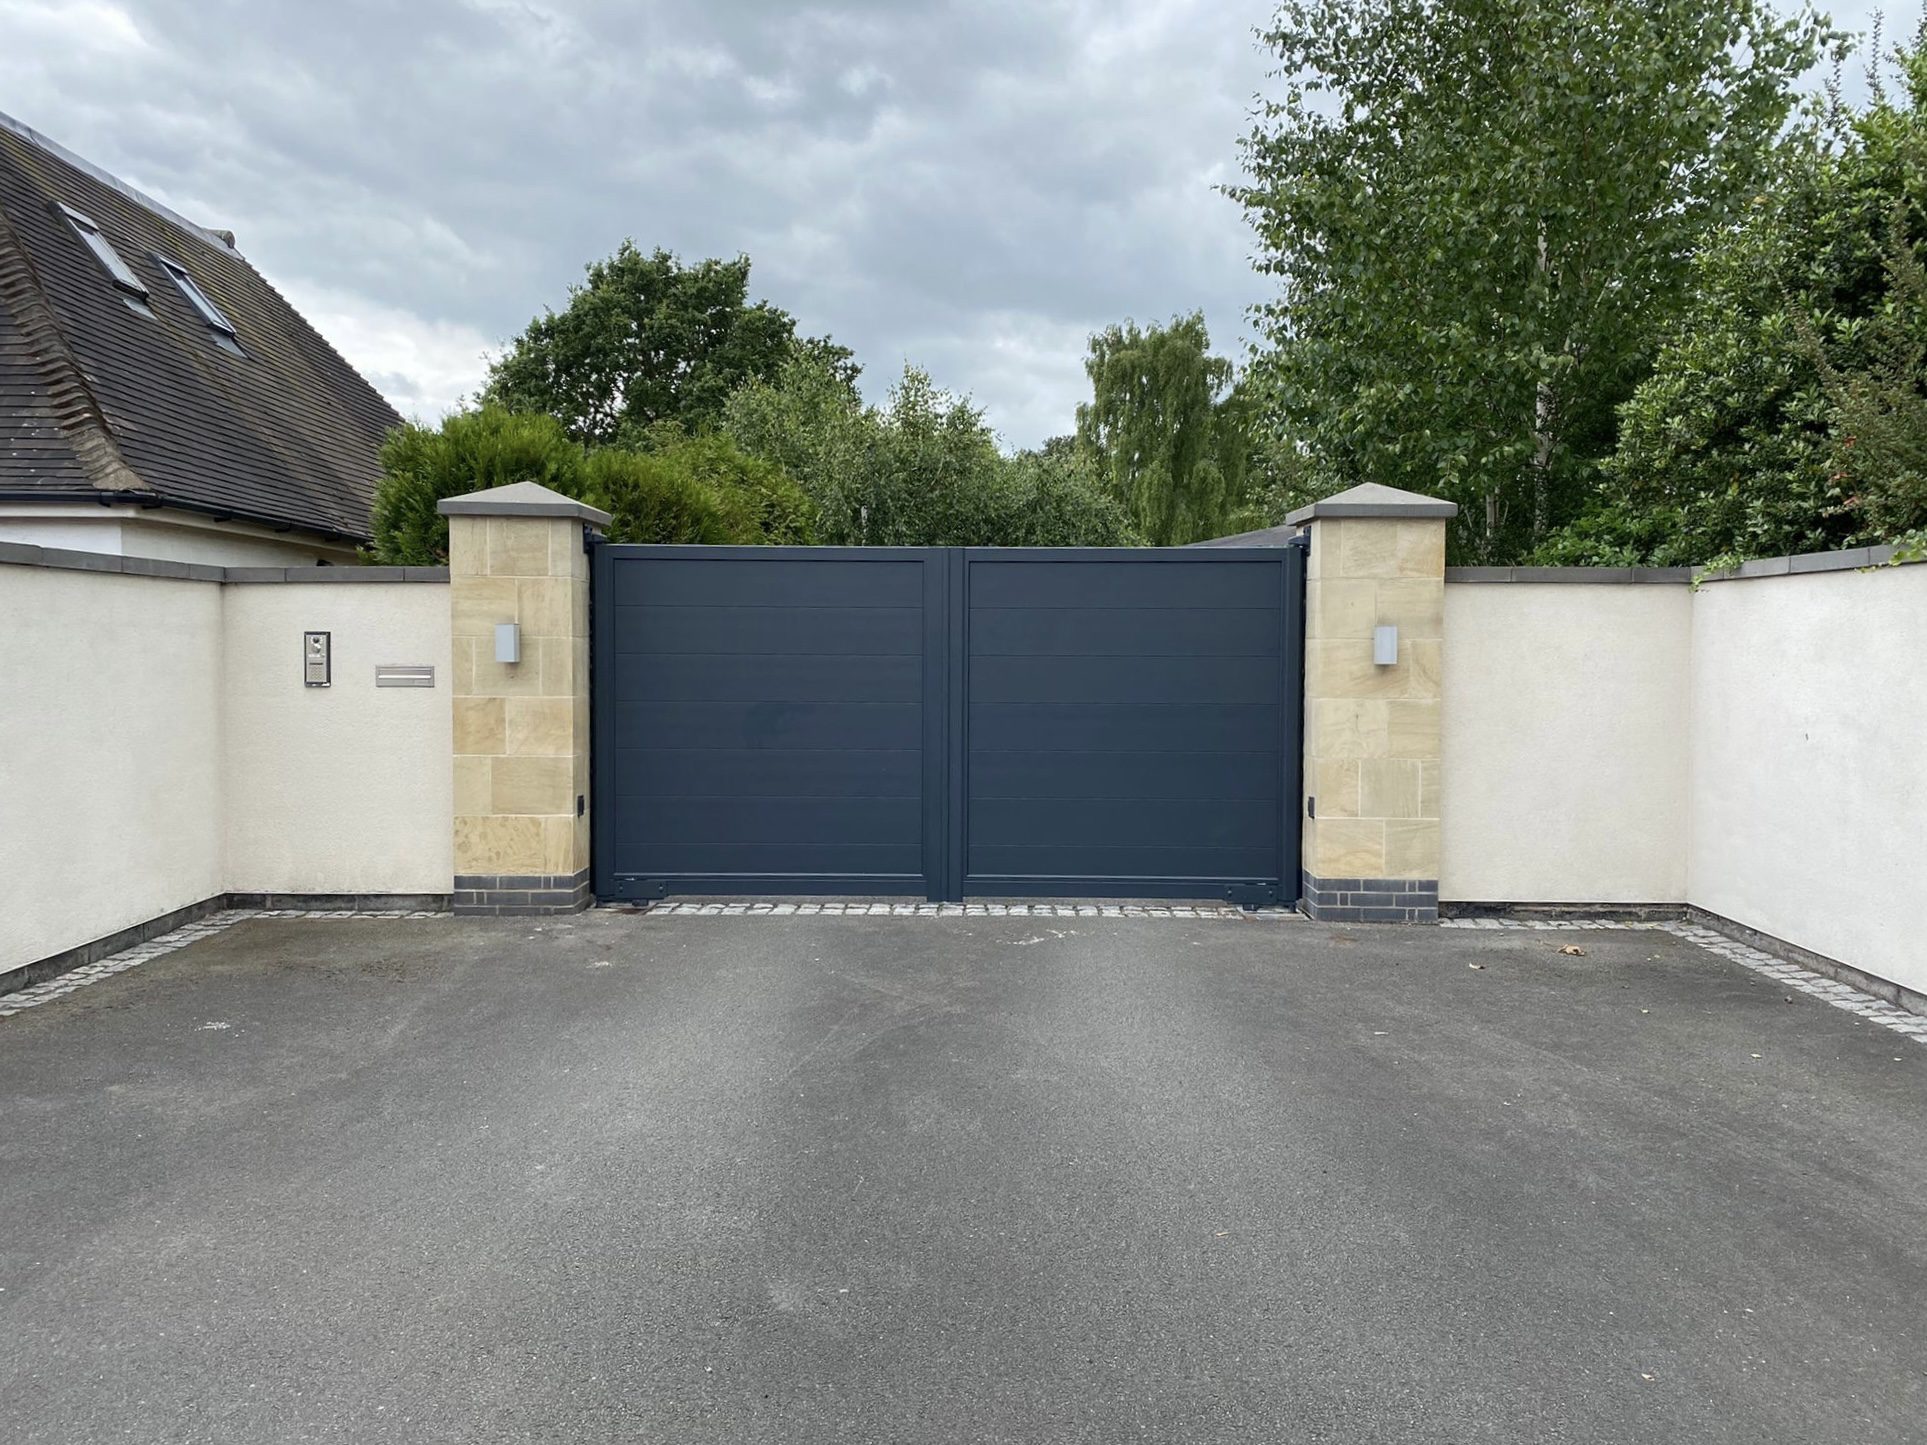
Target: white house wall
166 534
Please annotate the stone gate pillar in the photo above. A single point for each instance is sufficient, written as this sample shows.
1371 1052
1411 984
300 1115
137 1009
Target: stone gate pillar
515 556
1371 826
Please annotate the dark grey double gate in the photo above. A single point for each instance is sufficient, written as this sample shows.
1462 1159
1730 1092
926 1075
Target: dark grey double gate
946 722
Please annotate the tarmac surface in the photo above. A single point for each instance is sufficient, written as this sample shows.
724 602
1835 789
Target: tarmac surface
899 1179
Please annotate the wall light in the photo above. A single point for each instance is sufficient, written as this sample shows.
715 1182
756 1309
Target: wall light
1384 646
508 642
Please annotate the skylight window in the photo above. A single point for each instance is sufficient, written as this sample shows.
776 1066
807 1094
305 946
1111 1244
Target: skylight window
105 253
197 298
201 302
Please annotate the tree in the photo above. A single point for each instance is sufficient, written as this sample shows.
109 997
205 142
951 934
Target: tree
921 470
1166 431
701 489
1051 498
1481 215
468 452
647 340
1778 416
1877 413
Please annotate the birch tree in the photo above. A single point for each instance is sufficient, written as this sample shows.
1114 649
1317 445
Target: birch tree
1481 214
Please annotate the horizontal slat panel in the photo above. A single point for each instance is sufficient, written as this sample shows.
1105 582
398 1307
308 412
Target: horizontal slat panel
771 821
767 582
642 773
1124 822
1010 861
1135 632
832 860
1123 718
771 679
1125 583
802 631
770 725
1124 727
1223 776
1122 679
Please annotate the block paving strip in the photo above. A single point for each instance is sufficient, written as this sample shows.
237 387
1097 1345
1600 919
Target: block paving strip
682 908
1788 975
159 946
1800 980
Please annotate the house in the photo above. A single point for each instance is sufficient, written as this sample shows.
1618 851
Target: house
159 398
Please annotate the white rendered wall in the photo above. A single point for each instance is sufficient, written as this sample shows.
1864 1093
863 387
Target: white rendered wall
1564 748
110 754
1809 727
348 788
158 749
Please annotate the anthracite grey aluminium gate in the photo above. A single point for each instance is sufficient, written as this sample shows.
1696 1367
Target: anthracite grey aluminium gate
948 722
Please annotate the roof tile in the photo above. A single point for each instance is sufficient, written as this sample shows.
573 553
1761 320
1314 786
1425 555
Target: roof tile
288 434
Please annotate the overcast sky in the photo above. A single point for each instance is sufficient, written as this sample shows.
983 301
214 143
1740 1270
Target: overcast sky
971 186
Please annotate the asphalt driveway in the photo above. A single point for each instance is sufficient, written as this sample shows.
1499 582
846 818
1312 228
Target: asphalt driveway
956 1179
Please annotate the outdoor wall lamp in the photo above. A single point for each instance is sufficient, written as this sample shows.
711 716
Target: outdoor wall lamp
1384 646
508 642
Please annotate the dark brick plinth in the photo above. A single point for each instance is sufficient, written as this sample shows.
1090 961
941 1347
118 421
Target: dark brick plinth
1370 900
521 893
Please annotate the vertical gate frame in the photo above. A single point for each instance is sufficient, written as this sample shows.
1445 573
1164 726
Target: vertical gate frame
1292 687
956 794
602 716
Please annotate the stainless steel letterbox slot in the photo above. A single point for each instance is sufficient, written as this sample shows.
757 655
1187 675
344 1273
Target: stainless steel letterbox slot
404 674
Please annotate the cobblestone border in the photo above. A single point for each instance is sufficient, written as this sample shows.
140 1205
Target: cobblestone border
1827 990
1789 975
162 944
682 908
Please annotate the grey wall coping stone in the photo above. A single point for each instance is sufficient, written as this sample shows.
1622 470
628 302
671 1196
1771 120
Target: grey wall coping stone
346 574
23 554
521 499
180 571
1372 499
1851 559
1667 576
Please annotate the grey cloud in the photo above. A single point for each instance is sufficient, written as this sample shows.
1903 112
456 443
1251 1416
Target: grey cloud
973 187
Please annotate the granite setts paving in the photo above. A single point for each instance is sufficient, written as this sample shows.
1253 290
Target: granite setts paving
683 908
63 984
1791 976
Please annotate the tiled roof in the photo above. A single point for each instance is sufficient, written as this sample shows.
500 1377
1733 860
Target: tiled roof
96 397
